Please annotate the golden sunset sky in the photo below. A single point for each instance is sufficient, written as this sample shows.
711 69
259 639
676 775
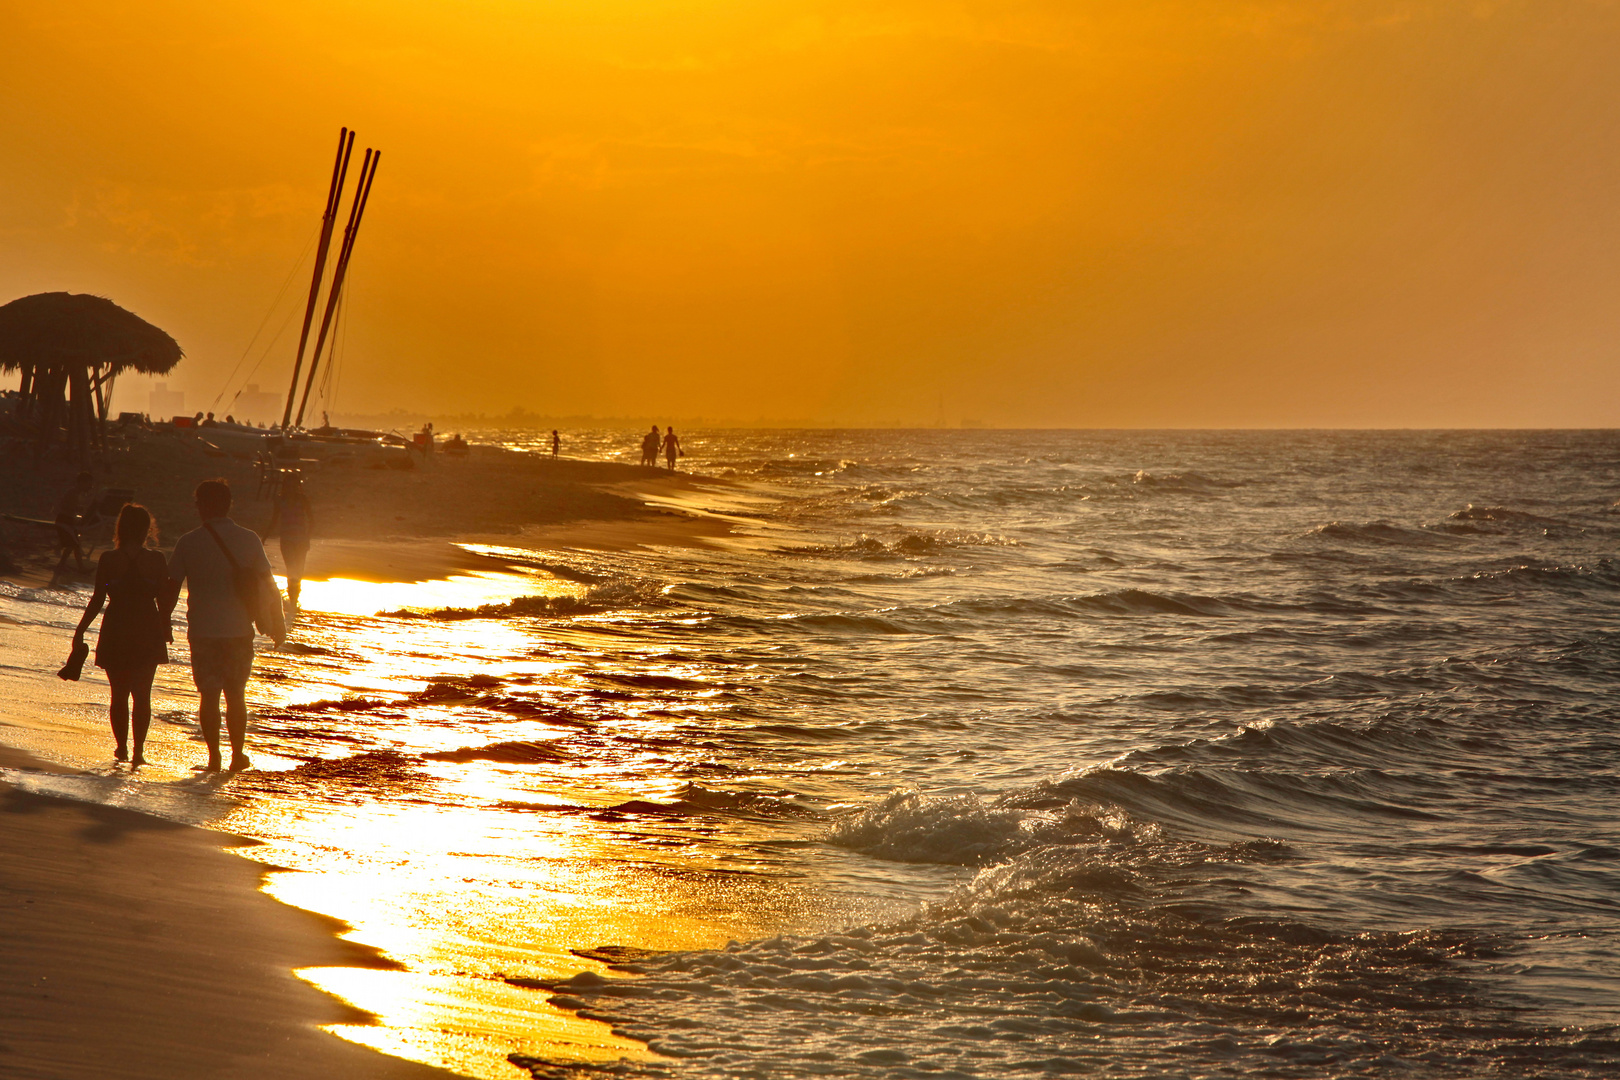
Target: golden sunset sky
1078 213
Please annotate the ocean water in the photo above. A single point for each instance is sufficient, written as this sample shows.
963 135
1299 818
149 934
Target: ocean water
971 754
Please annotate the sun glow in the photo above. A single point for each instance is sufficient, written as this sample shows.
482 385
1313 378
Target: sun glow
463 592
1100 214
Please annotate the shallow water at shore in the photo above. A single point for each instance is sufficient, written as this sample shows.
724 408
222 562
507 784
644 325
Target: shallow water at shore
993 753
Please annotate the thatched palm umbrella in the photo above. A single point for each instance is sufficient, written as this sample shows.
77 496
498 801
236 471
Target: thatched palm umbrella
76 343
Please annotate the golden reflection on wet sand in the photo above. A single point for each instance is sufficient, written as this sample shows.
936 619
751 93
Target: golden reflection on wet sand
438 870
466 872
470 1028
465 903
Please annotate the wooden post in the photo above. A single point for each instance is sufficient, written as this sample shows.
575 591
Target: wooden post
50 384
79 411
96 380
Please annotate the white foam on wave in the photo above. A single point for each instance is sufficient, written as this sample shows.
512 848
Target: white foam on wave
968 830
1002 979
1094 949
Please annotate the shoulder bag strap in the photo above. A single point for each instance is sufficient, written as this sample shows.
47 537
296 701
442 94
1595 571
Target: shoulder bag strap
228 556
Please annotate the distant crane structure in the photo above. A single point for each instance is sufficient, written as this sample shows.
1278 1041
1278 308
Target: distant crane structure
340 269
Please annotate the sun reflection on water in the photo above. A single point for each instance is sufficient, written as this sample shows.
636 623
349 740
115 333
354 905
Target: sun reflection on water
480 792
465 592
477 797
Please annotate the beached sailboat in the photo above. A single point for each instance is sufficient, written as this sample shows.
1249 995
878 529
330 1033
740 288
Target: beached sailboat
290 441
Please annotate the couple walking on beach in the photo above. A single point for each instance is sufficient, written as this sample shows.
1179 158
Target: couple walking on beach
671 444
229 588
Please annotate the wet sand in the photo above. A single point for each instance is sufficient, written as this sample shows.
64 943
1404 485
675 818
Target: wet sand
136 947
139 945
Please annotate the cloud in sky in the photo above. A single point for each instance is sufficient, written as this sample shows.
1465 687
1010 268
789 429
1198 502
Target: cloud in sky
1104 213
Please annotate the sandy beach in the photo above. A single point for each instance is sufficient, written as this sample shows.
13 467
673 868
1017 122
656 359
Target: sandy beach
146 945
135 946
419 510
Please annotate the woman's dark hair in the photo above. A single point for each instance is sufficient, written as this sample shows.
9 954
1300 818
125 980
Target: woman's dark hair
135 526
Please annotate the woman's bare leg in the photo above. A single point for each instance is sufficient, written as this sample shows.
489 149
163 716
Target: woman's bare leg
118 710
141 714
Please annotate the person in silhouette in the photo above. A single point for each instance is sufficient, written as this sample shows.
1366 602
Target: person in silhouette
556 444
219 624
649 447
293 517
672 448
132 582
70 516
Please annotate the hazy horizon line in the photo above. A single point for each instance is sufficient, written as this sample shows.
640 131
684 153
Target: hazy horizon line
524 419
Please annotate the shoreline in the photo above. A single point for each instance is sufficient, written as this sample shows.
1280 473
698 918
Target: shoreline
152 879
141 945
491 491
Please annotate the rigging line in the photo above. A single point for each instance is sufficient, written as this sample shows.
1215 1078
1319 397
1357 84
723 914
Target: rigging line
337 381
339 327
267 316
263 356
340 347
337 376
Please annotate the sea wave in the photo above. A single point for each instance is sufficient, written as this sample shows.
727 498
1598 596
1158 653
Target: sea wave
1501 515
690 801
1180 481
1378 532
1126 952
910 545
967 830
607 596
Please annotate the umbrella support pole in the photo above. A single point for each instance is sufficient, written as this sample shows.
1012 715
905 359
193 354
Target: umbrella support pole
99 380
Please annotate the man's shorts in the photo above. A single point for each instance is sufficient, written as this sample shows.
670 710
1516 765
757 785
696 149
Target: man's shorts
221 663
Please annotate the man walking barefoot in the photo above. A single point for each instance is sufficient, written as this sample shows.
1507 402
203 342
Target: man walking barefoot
219 625
72 514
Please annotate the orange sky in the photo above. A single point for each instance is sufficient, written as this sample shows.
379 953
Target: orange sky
1085 212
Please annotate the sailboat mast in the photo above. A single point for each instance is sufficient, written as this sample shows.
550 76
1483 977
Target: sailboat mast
362 193
334 196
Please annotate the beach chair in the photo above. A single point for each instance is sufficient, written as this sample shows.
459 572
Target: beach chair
264 471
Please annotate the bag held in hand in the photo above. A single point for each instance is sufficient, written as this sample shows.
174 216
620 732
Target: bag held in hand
258 593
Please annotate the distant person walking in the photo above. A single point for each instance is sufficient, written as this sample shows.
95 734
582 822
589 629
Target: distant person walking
133 583
649 447
70 516
216 563
296 522
556 444
672 448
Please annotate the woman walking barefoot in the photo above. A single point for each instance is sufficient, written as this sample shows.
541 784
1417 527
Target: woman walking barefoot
133 581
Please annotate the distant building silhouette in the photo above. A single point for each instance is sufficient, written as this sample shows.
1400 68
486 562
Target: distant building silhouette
163 403
253 404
